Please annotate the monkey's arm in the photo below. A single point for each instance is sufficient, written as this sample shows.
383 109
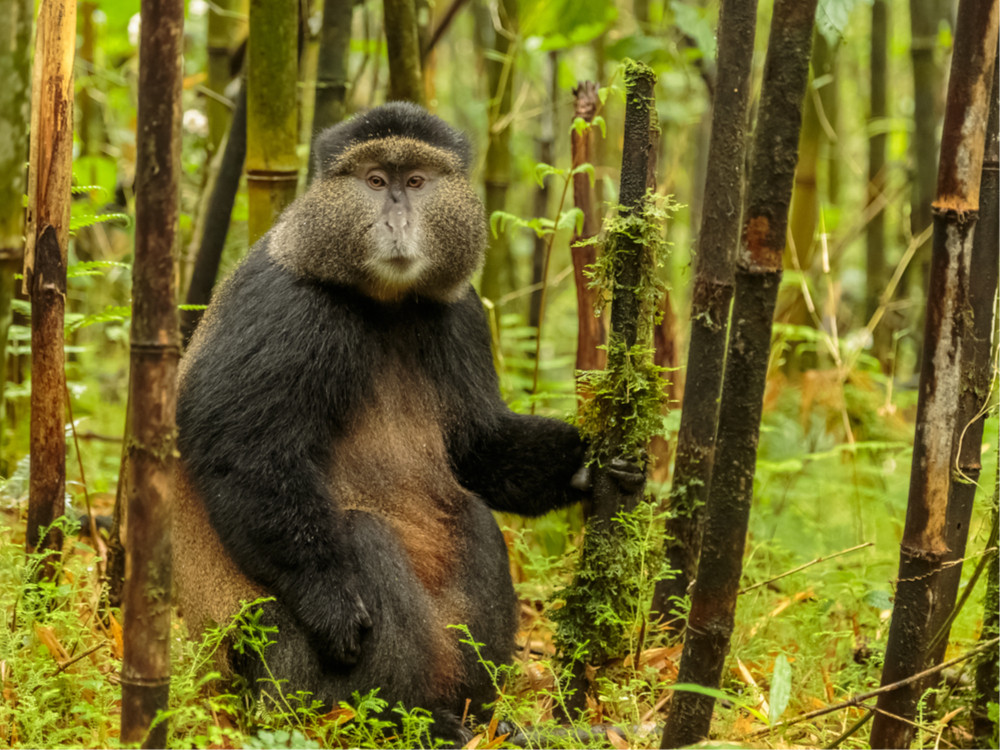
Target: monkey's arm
523 464
256 414
517 463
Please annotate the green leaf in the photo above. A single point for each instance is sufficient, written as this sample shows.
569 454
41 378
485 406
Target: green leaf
543 170
719 695
500 219
693 22
599 122
566 23
95 174
832 17
92 268
573 218
110 314
781 688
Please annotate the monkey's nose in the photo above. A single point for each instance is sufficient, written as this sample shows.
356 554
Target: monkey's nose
396 220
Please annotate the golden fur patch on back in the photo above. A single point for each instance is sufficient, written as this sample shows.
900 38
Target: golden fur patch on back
209 584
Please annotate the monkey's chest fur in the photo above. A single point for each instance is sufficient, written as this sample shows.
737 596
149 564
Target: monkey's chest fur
392 461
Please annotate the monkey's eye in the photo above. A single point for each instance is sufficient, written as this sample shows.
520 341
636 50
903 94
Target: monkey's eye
377 181
416 181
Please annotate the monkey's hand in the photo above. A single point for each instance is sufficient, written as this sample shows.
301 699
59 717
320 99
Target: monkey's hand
630 476
337 620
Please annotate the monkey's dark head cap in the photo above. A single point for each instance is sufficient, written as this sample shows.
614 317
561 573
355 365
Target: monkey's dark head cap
400 119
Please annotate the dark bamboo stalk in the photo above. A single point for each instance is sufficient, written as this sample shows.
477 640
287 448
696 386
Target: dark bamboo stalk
225 31
403 42
498 269
49 182
974 396
598 583
590 329
875 265
442 27
155 350
924 19
545 142
758 275
989 664
15 114
219 212
331 71
712 295
272 123
924 546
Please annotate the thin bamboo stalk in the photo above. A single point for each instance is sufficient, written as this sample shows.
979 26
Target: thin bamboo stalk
403 41
974 397
875 263
758 276
15 113
155 351
272 123
711 298
49 182
590 329
924 546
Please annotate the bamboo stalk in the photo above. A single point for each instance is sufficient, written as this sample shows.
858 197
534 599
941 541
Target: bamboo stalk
226 28
218 214
974 396
598 584
711 298
155 351
272 123
15 113
875 263
925 15
924 546
544 142
403 41
590 329
498 268
989 664
49 182
758 275
331 70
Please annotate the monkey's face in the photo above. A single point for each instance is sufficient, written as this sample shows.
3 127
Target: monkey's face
393 217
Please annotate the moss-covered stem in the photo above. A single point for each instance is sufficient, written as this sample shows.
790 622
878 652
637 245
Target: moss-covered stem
758 277
600 603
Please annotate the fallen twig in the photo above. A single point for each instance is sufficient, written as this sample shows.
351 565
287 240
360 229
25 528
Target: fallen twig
70 662
806 565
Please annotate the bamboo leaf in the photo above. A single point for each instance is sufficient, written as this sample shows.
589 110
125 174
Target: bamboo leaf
781 688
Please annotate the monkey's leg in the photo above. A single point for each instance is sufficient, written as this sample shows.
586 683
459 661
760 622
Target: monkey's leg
491 611
399 655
